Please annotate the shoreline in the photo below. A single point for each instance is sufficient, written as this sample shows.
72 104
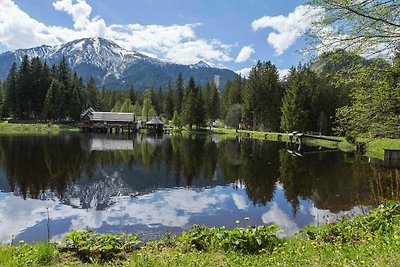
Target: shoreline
371 239
374 146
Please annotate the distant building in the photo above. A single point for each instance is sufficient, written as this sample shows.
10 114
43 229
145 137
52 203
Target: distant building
91 119
155 125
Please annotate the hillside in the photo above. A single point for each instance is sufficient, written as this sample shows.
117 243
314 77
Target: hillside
115 67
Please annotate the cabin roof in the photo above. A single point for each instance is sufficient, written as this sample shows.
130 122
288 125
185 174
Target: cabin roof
112 116
91 110
154 121
108 116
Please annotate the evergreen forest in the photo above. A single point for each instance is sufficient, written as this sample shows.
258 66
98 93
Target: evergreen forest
338 93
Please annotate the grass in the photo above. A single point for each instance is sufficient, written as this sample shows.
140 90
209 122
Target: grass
363 240
375 146
37 128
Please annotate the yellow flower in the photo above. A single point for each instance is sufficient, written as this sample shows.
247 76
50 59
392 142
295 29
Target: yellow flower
12 235
21 241
246 218
237 222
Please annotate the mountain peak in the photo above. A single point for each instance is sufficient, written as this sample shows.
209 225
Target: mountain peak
113 66
200 64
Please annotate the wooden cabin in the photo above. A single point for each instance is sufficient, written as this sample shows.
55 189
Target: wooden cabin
102 121
155 125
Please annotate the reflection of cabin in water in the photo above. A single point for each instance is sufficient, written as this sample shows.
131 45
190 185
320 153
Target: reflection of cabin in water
99 143
93 121
155 125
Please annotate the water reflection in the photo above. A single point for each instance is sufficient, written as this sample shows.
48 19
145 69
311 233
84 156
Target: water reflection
153 184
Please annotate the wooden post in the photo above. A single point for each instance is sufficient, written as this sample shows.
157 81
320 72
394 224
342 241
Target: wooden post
392 158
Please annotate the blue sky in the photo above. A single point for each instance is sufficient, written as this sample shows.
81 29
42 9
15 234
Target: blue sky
224 33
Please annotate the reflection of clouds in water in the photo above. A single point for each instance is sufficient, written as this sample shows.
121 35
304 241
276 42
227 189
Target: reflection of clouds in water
324 216
240 201
169 208
285 222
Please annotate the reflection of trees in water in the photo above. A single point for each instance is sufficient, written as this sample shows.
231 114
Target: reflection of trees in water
335 181
35 164
252 162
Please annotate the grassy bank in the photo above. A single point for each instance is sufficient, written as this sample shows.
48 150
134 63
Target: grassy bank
374 146
363 240
36 128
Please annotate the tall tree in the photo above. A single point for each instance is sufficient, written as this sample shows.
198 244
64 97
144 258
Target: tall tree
148 110
231 95
179 93
23 89
53 100
91 91
367 26
193 112
64 77
169 101
374 110
10 103
37 92
262 98
296 107
133 95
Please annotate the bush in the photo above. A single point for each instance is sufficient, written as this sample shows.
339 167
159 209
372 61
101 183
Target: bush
89 246
252 239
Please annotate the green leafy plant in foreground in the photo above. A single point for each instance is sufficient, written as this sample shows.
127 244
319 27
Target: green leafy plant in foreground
89 246
251 239
382 221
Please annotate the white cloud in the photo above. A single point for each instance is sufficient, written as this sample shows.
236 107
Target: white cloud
240 201
285 221
244 72
288 29
80 11
244 54
176 43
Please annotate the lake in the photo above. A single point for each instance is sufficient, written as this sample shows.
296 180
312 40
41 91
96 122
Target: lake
153 184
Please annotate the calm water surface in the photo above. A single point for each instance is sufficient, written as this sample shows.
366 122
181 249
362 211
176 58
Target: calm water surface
150 185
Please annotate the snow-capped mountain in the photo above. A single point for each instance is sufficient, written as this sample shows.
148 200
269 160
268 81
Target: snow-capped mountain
113 66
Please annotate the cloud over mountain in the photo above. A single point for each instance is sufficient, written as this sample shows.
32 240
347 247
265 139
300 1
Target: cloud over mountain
176 43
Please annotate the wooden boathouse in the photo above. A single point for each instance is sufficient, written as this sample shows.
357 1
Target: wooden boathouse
103 122
155 125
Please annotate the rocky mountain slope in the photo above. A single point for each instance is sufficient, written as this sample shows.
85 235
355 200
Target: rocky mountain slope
115 67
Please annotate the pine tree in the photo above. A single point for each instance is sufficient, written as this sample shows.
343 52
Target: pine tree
179 93
300 107
148 110
10 102
193 112
77 101
37 93
262 98
169 101
91 92
133 95
52 103
64 77
23 99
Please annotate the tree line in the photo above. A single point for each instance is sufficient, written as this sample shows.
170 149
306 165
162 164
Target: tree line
339 93
35 91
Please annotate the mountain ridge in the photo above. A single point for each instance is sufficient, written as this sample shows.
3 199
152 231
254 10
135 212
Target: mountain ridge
114 67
